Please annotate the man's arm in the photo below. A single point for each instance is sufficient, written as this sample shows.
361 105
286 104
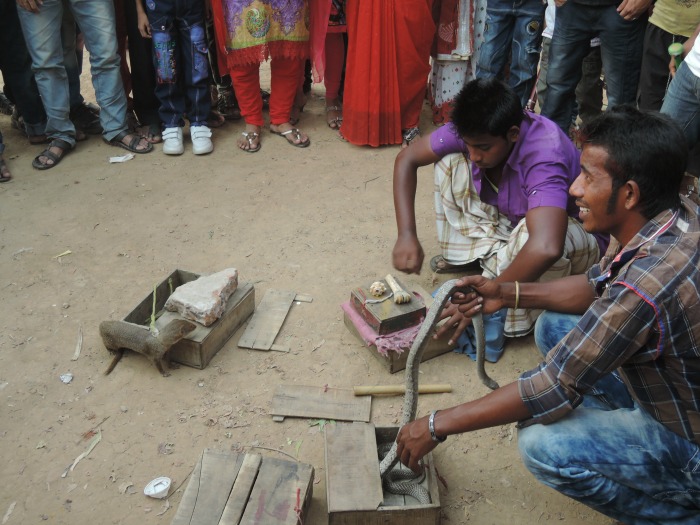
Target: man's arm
546 226
500 407
407 255
687 46
142 20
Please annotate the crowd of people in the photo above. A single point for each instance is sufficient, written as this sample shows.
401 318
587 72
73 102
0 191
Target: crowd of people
600 239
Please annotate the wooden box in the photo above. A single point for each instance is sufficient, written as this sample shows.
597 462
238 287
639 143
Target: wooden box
227 488
354 489
386 316
395 361
200 346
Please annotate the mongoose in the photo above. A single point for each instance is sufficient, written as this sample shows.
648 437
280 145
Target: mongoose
120 335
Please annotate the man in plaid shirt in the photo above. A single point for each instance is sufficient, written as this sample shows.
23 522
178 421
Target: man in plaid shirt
611 418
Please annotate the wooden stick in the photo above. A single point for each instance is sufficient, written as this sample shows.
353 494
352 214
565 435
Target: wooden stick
399 390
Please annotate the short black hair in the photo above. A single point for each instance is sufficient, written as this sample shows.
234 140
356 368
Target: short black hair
646 147
486 106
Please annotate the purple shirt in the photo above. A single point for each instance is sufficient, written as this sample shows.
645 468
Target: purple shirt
539 171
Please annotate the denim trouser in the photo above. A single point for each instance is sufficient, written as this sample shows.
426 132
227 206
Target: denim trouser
610 454
42 32
513 28
180 59
70 57
15 65
621 49
682 103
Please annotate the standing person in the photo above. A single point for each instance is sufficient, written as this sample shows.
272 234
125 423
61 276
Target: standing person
182 70
611 418
388 64
41 25
513 29
620 27
502 178
456 48
250 32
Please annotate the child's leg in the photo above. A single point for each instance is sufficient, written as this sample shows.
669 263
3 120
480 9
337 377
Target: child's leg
246 78
161 17
335 57
285 80
195 64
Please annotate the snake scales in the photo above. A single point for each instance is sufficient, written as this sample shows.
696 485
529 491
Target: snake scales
412 364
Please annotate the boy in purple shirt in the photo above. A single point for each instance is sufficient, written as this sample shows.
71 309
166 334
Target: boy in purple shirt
502 179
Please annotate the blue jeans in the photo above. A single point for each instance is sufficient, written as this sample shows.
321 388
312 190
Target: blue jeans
613 456
181 62
70 58
682 103
621 49
513 28
15 65
42 32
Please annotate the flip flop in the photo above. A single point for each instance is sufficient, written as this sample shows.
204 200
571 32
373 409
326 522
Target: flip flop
64 146
452 268
296 134
250 136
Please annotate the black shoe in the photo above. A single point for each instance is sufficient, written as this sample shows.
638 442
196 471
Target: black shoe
6 107
227 105
87 118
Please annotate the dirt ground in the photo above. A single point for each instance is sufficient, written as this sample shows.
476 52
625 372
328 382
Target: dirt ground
317 221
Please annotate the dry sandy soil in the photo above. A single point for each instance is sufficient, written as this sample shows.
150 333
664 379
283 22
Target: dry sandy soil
317 221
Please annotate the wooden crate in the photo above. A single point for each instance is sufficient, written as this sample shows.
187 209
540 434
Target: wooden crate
227 488
200 346
387 316
394 361
354 489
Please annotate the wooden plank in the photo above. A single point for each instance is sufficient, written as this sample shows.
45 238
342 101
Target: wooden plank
238 499
208 489
352 468
267 320
281 494
320 403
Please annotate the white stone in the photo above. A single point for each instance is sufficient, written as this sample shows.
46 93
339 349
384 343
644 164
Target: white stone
204 300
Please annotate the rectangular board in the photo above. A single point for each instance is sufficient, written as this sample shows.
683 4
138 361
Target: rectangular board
267 320
386 316
228 488
320 403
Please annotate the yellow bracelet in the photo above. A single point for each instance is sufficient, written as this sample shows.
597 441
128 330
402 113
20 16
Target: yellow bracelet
517 295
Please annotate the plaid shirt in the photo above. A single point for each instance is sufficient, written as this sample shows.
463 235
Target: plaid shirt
645 322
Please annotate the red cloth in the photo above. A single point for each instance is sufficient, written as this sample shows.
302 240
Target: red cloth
384 92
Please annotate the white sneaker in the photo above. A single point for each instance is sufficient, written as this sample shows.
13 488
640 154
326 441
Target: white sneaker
201 140
173 143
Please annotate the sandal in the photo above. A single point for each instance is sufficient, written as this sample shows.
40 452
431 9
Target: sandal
293 136
133 144
250 138
215 119
335 122
5 175
55 158
439 265
409 135
151 132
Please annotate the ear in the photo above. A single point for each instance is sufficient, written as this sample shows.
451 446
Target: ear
513 134
632 194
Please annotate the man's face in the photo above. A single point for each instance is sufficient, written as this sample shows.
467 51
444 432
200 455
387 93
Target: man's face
488 151
593 190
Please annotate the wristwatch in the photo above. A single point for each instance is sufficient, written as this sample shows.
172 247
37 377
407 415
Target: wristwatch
431 428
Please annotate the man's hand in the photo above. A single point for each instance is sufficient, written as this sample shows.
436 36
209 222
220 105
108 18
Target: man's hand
408 255
633 9
456 322
143 25
486 297
413 442
32 6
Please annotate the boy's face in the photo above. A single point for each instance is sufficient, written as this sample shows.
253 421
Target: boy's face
488 151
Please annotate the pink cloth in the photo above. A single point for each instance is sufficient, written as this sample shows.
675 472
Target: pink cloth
394 342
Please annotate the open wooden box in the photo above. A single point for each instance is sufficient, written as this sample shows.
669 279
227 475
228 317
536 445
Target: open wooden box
354 489
198 348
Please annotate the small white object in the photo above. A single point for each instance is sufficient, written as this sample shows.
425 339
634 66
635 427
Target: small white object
67 377
201 140
121 158
158 488
172 141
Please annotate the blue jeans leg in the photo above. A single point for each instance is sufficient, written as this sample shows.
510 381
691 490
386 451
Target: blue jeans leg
42 33
98 26
70 58
622 462
15 64
513 28
682 103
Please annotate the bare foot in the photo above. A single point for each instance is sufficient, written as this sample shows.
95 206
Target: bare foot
5 175
250 139
334 113
293 135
